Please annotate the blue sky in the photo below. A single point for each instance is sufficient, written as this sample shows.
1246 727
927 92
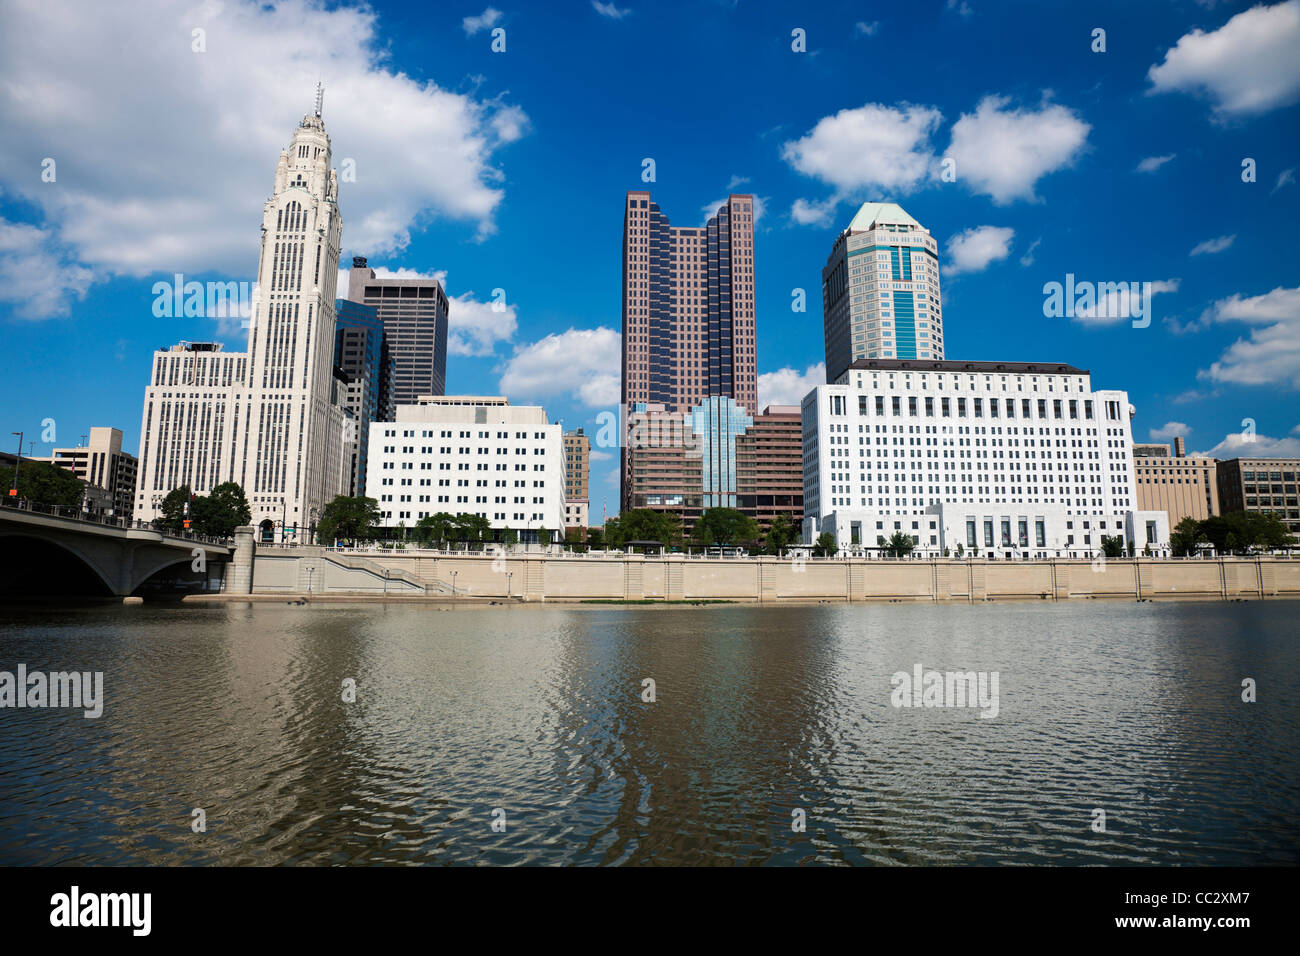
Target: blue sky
507 170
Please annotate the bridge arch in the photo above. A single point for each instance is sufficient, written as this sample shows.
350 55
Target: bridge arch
38 566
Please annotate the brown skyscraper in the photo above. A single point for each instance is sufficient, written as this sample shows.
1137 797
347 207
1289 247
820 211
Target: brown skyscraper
688 314
688 306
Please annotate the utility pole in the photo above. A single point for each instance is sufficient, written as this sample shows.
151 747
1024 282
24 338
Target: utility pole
13 492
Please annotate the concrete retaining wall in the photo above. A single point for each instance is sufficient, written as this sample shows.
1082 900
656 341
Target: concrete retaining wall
536 577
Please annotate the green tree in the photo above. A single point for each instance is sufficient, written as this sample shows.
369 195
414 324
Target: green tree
724 526
471 528
596 538
1112 545
544 537
825 545
644 524
510 537
1185 537
961 549
348 518
899 545
435 528
173 509
221 512
44 484
780 534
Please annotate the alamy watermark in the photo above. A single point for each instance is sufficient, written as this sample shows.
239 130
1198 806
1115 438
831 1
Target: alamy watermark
1099 300
923 688
80 690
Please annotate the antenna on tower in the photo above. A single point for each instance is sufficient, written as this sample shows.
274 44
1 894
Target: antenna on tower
320 97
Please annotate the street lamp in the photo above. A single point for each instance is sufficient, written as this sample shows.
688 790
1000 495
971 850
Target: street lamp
509 589
312 540
18 460
310 569
453 584
284 519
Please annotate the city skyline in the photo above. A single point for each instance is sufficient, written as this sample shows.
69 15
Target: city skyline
1148 121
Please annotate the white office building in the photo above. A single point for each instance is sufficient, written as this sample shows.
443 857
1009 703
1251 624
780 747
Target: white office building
1009 460
269 418
880 290
469 454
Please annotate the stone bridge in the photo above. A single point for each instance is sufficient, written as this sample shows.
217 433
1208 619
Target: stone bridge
109 558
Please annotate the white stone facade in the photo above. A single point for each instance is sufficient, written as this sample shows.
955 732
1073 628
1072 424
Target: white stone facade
466 454
266 418
1024 459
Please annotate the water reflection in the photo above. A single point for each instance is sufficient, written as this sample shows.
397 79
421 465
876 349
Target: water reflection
760 714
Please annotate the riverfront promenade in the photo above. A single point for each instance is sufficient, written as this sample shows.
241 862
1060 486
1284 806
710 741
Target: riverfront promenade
533 576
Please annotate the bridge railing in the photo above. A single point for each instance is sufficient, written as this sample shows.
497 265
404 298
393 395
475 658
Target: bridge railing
111 521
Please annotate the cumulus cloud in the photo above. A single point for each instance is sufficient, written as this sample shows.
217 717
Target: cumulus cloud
581 364
1285 178
1246 67
806 212
1169 431
1122 303
788 386
474 328
165 156
1244 445
870 147
865 29
1003 152
1152 163
1211 246
484 21
36 278
1270 354
974 249
610 10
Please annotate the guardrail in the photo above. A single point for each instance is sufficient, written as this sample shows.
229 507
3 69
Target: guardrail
110 521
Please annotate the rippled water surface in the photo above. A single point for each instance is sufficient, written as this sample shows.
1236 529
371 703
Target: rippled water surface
1131 708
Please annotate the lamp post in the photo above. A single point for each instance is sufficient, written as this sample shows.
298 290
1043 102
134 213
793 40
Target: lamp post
284 520
312 540
509 589
18 460
310 570
453 584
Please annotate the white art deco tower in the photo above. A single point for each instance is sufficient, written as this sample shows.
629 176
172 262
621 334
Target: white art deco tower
268 419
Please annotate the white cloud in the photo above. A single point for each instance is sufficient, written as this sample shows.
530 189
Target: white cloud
1211 246
867 29
475 328
609 10
598 455
166 156
1271 353
35 277
1247 66
1241 445
870 147
1152 163
1284 178
787 386
962 8
974 249
583 364
484 21
1004 152
1121 304
1028 258
1169 431
807 212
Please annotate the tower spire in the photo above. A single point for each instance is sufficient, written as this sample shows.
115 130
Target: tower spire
320 97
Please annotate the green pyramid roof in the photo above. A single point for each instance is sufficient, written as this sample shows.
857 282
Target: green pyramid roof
874 212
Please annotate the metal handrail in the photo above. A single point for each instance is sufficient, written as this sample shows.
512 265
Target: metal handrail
111 521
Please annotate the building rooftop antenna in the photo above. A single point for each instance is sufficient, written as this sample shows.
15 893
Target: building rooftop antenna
320 97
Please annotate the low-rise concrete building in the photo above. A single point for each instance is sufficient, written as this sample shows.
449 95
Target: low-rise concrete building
469 454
